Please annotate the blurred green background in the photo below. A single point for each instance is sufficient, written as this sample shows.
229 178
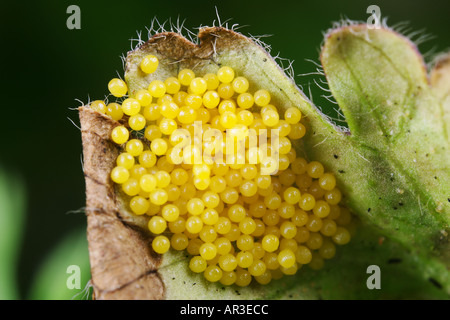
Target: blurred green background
46 67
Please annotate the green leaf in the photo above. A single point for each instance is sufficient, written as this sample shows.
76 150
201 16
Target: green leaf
396 122
375 75
392 166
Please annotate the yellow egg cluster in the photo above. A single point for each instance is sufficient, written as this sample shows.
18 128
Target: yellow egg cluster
236 221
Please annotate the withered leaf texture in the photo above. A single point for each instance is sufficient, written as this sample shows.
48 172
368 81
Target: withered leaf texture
122 263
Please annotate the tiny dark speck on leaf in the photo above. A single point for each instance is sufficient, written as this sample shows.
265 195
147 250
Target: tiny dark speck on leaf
368 210
435 283
264 59
394 260
395 208
341 171
335 156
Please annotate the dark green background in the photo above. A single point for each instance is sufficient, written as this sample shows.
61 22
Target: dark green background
45 67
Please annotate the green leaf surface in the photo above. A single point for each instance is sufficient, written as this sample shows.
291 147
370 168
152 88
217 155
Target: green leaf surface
379 81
